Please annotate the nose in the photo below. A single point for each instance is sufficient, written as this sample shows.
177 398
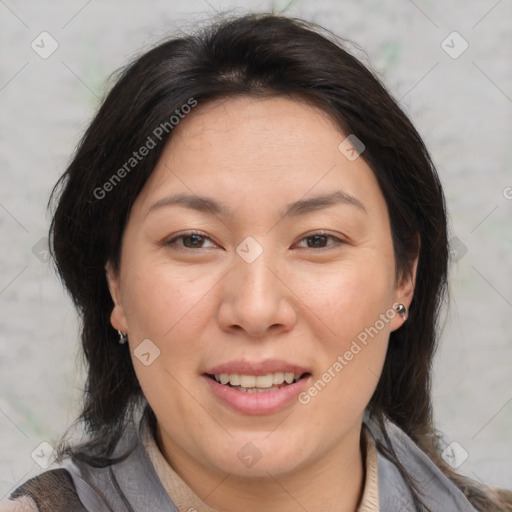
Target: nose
257 297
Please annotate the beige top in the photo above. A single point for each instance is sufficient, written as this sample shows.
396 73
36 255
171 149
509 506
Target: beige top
23 504
186 500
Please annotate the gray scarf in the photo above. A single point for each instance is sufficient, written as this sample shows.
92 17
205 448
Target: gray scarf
132 484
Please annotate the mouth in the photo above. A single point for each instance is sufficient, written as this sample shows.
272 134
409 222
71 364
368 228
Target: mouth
261 394
257 387
258 383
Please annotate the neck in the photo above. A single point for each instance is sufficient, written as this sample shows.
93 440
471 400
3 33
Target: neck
337 477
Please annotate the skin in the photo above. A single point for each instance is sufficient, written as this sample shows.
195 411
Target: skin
301 300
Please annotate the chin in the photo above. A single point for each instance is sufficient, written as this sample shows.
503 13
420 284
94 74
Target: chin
250 457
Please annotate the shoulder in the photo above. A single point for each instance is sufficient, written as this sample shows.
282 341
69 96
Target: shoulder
50 491
403 465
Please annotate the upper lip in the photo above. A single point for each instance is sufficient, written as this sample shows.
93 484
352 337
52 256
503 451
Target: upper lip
243 367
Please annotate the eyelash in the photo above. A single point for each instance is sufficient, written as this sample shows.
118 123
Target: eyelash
191 233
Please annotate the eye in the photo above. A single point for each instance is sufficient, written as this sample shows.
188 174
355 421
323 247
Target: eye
319 238
193 240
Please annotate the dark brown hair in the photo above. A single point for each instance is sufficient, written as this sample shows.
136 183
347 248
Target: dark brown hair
255 54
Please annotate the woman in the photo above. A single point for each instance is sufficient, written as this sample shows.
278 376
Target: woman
255 237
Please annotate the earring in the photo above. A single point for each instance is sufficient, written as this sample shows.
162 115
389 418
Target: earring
401 310
123 336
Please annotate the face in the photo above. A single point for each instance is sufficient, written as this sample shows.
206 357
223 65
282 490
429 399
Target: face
238 288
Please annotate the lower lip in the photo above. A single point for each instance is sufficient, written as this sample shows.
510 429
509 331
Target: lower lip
257 403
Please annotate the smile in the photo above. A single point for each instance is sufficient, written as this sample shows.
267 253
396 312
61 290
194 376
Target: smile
251 398
257 383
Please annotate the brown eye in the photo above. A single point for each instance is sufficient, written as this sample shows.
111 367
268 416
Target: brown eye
318 240
195 240
191 240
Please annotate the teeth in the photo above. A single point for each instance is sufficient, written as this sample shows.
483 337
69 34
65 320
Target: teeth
288 377
260 381
278 378
248 381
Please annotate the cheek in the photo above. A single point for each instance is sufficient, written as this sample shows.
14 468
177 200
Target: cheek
168 308
349 296
162 300
349 306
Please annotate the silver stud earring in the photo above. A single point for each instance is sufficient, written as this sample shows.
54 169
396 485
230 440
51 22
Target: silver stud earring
123 336
401 310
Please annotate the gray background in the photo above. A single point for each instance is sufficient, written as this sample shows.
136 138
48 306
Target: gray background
461 106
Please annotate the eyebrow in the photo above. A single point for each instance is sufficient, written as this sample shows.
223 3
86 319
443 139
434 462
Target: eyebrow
297 208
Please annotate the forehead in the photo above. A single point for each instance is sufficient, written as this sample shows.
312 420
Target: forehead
251 149
281 121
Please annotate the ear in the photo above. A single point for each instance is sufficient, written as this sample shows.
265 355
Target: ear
117 317
404 291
